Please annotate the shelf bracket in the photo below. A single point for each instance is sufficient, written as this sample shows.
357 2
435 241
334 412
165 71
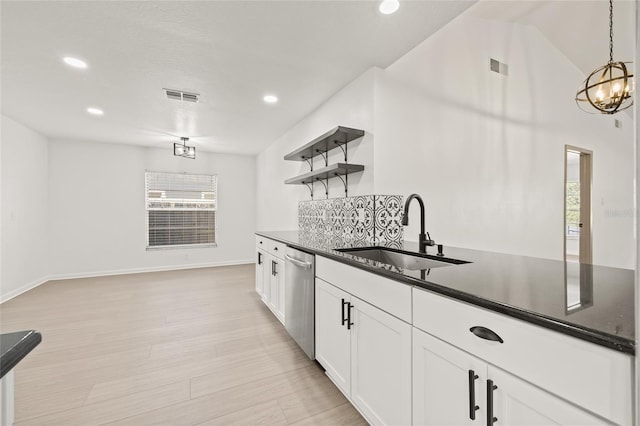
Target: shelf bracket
310 186
326 188
343 147
325 156
345 182
310 162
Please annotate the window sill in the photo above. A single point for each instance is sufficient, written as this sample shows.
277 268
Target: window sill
184 246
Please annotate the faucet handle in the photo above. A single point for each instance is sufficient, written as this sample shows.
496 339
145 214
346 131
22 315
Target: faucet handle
429 241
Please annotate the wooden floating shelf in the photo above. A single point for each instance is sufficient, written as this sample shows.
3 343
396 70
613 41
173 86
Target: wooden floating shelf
338 169
322 144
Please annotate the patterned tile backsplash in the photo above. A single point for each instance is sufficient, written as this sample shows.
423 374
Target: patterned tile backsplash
354 221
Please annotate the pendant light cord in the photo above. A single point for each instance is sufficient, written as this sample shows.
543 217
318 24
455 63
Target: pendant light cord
610 31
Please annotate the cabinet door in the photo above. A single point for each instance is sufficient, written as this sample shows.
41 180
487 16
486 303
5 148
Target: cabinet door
279 286
380 365
447 383
274 285
260 259
267 260
333 350
517 402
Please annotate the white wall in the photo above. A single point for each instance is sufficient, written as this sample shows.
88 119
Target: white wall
350 107
486 151
97 208
24 208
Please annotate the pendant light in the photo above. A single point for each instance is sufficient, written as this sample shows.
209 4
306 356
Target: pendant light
608 89
183 150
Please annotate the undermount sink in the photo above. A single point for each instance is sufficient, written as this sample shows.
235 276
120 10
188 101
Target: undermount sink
400 258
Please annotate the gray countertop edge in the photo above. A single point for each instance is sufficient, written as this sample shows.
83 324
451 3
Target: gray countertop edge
594 336
19 343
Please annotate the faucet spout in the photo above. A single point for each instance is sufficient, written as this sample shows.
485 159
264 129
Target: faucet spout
424 239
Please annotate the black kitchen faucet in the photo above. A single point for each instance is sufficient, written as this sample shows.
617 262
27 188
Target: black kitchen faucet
424 240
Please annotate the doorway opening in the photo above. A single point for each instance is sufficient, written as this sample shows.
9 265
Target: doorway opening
577 228
577 207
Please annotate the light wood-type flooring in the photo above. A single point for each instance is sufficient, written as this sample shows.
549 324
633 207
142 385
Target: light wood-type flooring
177 348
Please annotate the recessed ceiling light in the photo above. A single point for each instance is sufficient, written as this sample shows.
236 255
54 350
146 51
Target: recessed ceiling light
95 111
270 99
75 62
387 7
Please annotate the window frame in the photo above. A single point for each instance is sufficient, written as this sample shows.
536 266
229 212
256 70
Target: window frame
179 246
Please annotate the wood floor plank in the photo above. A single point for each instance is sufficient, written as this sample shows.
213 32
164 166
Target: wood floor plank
315 399
84 371
344 415
36 401
271 364
229 370
174 348
268 413
115 409
230 400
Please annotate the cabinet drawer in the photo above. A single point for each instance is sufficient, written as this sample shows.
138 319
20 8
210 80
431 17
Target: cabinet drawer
270 246
391 296
591 376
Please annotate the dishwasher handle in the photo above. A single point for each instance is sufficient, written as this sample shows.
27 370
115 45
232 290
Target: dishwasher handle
301 264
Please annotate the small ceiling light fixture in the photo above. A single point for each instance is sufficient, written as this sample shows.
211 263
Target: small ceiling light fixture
387 7
270 99
183 150
75 62
95 111
608 89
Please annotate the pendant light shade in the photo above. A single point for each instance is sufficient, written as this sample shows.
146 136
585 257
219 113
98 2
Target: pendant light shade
609 88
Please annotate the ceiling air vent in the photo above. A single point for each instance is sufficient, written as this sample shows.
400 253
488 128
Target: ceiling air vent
178 95
190 97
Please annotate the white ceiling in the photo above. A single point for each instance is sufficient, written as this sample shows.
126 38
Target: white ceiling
234 52
578 28
230 52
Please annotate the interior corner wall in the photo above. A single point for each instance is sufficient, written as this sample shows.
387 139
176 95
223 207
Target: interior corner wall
97 209
24 212
277 203
486 151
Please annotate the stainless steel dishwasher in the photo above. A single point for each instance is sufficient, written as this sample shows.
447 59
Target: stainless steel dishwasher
299 313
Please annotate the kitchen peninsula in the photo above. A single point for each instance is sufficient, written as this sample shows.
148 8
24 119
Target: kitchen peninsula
552 330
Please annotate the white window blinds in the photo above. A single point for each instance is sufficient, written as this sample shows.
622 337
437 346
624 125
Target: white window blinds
181 209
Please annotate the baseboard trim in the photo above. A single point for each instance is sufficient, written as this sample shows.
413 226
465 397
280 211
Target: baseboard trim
23 289
149 269
43 280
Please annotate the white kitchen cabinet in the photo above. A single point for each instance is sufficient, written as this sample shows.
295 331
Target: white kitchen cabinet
277 287
452 387
380 365
442 390
270 275
367 354
597 379
333 339
266 280
517 402
260 272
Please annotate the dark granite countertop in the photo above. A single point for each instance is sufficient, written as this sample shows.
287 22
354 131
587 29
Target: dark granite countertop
595 304
15 346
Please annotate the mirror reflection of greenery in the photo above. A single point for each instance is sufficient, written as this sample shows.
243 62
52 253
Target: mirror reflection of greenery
572 218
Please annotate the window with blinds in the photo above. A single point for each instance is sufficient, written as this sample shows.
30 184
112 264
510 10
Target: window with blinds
181 209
